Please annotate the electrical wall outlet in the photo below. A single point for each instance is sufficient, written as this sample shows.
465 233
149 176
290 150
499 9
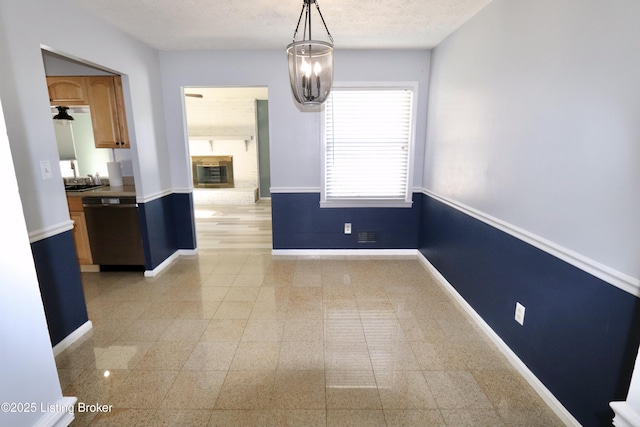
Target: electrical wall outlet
347 228
519 313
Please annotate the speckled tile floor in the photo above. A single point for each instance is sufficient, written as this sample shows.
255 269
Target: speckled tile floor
243 338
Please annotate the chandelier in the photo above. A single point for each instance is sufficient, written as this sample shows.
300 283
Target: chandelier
310 61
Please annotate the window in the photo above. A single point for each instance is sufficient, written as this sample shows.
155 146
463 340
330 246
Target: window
368 140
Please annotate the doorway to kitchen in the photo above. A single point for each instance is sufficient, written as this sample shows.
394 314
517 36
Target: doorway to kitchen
228 145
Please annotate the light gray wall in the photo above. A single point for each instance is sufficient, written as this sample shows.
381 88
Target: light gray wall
27 366
26 27
294 135
534 120
55 65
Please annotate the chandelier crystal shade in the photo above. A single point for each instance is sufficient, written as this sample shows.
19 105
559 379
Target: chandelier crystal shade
310 62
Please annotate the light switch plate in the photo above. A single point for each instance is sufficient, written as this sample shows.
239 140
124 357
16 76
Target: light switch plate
45 170
347 228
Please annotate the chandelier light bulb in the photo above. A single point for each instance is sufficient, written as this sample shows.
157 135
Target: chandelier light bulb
306 68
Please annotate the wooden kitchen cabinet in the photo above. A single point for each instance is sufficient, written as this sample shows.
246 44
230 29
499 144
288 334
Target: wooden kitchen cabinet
104 96
80 234
67 91
108 118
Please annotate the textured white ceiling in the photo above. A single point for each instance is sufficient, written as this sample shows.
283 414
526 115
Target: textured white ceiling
269 24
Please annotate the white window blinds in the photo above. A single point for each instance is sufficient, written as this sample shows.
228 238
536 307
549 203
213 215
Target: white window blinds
367 137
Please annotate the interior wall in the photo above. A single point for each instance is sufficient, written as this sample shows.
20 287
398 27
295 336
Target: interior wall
533 120
90 159
226 126
580 335
264 165
295 140
532 144
56 65
228 117
27 27
294 134
27 366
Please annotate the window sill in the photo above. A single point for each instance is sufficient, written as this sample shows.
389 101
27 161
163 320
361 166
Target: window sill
365 204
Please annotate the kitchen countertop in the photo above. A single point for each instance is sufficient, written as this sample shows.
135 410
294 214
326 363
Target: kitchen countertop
125 191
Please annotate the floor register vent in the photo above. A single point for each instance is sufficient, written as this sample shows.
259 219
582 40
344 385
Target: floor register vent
367 237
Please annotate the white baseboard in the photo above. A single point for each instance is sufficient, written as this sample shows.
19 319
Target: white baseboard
167 262
537 385
59 414
344 252
163 265
626 415
72 337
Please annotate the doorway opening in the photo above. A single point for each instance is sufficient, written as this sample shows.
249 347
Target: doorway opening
228 145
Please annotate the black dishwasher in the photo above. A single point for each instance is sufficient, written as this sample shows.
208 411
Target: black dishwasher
113 225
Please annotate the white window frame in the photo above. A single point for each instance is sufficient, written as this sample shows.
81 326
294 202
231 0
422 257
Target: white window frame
374 202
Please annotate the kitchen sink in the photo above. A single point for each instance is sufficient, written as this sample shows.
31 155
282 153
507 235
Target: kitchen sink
82 187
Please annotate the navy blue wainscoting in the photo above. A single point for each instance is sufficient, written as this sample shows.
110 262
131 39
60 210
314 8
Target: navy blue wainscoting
167 225
300 223
60 285
184 222
580 334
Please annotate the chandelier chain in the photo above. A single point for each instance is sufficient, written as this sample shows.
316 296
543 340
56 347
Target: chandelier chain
306 6
324 23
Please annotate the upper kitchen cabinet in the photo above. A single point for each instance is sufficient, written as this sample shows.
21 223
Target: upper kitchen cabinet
67 91
103 95
108 118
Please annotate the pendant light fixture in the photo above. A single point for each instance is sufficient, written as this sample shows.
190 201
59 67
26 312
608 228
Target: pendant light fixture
310 62
62 114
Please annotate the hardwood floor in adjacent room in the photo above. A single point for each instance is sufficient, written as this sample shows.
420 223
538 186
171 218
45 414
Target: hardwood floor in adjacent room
234 227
